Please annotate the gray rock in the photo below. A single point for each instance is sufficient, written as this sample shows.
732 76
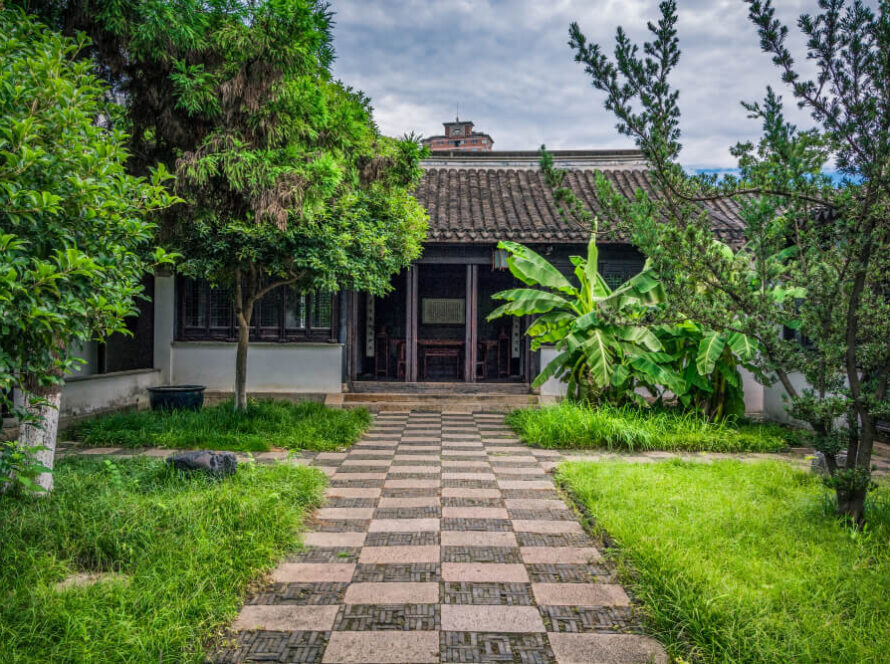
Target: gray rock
216 464
819 465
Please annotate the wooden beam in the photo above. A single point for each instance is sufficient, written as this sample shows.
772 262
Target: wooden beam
411 325
471 324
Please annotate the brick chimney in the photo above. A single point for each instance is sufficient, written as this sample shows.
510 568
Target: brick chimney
459 136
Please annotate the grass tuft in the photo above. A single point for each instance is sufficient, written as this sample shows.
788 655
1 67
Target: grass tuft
744 563
267 423
175 556
571 425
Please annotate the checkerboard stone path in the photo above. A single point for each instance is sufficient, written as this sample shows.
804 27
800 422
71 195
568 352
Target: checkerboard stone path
442 540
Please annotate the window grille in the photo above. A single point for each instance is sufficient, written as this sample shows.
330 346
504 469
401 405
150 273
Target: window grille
283 314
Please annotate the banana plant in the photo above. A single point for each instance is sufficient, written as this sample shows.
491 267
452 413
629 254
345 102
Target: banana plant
606 348
709 363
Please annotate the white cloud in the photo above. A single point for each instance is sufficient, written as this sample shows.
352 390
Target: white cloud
507 63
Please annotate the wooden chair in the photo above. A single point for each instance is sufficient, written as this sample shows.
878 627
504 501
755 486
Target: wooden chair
482 360
401 362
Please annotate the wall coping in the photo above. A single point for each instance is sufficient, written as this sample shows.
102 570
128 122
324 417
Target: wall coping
252 344
111 374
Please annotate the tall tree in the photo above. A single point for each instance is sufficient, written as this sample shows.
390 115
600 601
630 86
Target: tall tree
288 182
73 235
815 257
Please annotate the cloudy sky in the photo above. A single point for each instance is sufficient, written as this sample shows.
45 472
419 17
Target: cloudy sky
507 63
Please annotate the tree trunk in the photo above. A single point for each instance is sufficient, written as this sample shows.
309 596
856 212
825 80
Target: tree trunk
243 313
851 504
851 501
39 432
241 363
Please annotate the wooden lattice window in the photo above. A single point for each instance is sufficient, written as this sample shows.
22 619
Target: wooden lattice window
284 314
443 311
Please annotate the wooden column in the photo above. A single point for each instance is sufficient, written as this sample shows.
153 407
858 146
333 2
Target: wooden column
470 324
411 325
350 299
525 322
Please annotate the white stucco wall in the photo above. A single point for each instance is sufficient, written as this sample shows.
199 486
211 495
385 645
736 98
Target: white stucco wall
754 391
271 367
775 399
82 395
754 394
165 321
552 388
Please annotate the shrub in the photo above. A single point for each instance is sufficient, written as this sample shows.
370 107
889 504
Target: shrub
628 428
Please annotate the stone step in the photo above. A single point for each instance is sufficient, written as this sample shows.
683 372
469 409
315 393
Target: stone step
463 403
429 387
358 397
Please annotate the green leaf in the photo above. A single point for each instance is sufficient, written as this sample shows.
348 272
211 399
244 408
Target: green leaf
533 269
658 374
742 345
709 351
600 358
527 301
554 366
620 375
642 336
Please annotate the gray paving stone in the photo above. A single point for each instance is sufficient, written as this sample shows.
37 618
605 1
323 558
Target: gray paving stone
443 539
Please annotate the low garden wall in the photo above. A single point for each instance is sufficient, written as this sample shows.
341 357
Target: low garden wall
271 367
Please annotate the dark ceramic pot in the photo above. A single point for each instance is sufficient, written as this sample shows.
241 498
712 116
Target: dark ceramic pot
176 397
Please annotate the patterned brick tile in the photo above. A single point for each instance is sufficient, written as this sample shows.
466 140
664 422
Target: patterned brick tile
485 525
315 554
569 573
481 554
404 572
442 540
301 593
402 539
408 512
471 502
266 646
512 594
581 619
351 502
388 617
496 647
556 539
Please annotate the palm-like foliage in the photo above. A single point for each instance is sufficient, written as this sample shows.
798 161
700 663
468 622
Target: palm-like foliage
709 363
606 349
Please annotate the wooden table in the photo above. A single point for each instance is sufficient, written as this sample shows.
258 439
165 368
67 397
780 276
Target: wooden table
447 348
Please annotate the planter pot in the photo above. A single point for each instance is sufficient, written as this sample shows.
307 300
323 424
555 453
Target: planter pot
176 397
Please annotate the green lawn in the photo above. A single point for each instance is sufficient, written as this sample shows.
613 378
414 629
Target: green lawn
266 424
743 563
570 425
183 552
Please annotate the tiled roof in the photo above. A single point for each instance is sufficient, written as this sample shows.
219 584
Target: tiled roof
503 196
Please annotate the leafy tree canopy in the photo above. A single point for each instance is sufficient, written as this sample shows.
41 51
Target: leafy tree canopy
813 258
286 177
73 235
